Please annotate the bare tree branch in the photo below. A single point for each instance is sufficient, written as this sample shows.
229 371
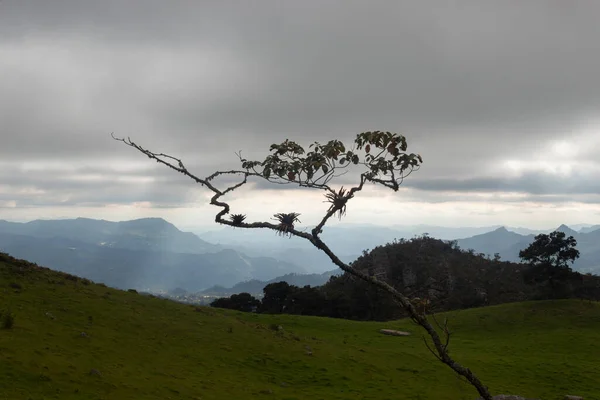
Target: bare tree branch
287 166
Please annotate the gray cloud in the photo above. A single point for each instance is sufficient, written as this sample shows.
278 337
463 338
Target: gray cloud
535 183
471 84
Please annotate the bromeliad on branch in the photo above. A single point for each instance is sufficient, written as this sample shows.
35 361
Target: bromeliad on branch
237 219
338 201
286 222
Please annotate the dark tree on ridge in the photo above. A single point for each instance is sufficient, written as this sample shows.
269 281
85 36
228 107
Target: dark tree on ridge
384 161
549 257
554 250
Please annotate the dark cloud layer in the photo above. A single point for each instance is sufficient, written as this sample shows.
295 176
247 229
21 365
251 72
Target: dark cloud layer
472 84
532 183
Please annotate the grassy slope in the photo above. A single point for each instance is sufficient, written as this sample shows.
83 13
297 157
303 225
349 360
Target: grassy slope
149 348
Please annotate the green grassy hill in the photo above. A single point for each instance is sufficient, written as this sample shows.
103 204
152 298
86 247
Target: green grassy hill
141 347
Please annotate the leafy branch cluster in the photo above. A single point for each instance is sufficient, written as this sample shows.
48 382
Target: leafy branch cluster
384 157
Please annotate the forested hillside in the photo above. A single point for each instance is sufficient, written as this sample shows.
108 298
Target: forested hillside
439 273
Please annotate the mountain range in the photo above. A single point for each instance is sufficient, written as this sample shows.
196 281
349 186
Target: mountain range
154 234
151 254
146 254
350 240
508 244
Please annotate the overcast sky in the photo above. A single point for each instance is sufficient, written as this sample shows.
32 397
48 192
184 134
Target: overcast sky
501 98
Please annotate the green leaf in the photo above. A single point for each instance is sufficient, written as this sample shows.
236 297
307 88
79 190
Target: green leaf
325 169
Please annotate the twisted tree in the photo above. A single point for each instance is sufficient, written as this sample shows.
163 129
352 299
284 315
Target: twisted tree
383 161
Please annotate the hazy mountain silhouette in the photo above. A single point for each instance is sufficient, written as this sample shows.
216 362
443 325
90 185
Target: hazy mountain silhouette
154 234
255 286
142 253
508 244
588 229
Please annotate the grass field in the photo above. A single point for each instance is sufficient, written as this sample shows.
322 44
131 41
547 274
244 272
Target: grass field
148 348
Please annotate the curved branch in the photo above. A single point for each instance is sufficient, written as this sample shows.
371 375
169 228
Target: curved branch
159 157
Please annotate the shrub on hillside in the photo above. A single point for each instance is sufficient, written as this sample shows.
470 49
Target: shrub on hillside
7 319
241 302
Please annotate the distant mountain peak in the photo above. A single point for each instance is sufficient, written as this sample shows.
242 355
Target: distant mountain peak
502 229
589 229
149 223
156 219
566 229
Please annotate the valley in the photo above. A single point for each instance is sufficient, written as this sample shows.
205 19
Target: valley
152 255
